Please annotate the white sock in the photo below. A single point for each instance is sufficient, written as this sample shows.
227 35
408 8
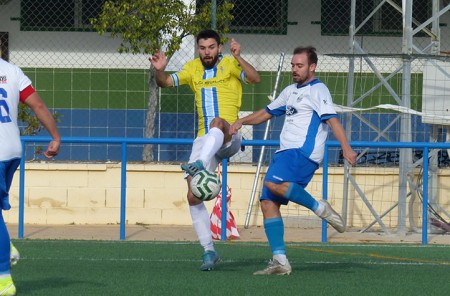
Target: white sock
214 140
281 258
320 209
201 223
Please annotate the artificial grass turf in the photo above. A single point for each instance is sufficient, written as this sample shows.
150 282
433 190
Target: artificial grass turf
68 267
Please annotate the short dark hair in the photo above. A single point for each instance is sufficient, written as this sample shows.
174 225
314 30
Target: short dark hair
206 34
310 52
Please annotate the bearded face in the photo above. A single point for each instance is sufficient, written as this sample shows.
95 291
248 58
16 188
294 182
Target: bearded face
302 72
208 51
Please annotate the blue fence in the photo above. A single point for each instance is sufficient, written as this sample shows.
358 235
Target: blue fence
398 145
124 142
131 124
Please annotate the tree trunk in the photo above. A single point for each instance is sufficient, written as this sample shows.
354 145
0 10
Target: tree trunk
147 154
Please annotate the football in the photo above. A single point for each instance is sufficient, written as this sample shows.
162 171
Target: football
205 185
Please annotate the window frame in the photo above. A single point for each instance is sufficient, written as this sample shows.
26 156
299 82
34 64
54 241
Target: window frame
282 19
78 22
4 46
374 26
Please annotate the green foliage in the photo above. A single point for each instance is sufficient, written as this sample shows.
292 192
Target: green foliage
147 25
33 125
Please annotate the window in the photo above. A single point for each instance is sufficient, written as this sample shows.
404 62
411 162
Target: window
4 53
58 15
387 20
257 16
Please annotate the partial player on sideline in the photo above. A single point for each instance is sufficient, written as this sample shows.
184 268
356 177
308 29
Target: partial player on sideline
16 88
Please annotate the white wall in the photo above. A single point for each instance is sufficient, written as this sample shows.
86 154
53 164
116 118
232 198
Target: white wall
69 49
88 49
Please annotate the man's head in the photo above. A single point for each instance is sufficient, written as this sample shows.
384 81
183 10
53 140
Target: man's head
209 47
304 63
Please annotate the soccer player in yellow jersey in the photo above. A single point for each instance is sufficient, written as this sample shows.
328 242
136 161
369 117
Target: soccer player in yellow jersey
216 81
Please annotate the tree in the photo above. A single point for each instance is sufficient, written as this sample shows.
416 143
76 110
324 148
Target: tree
147 25
32 125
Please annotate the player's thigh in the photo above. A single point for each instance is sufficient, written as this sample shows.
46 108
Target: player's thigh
291 166
197 148
266 194
196 151
7 170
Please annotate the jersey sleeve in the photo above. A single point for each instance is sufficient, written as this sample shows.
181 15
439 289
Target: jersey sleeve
25 87
323 102
26 92
278 106
184 76
237 70
23 80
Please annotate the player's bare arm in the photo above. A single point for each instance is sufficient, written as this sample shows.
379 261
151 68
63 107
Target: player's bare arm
159 63
251 75
349 154
252 119
45 117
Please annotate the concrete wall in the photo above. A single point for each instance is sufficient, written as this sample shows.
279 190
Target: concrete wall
82 193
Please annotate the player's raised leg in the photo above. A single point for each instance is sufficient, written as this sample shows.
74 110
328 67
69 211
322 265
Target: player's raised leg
212 143
296 193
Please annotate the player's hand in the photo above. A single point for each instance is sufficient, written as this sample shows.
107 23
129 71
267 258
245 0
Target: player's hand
235 127
52 149
158 60
351 156
235 48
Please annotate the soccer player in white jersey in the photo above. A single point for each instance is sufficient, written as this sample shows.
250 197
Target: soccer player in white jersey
15 88
216 81
309 111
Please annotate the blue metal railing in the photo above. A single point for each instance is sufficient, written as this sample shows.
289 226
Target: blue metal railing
123 179
127 141
425 146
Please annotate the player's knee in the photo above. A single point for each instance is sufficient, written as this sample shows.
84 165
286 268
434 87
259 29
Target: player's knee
217 122
265 204
192 200
270 209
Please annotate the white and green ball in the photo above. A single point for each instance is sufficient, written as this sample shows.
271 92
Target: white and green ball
205 185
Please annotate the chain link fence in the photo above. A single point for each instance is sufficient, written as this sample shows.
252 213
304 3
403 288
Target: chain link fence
100 92
378 60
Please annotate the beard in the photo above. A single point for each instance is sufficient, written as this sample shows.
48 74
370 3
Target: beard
210 63
301 79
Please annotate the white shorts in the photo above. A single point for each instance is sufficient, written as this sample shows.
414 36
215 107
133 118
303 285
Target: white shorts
226 151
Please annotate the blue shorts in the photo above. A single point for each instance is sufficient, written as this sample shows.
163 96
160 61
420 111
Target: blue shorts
7 170
288 166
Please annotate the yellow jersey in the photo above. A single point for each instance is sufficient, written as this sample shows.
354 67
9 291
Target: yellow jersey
218 91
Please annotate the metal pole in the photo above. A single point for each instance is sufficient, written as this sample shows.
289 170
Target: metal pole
223 232
405 125
123 191
348 117
214 14
425 198
22 190
261 155
325 190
